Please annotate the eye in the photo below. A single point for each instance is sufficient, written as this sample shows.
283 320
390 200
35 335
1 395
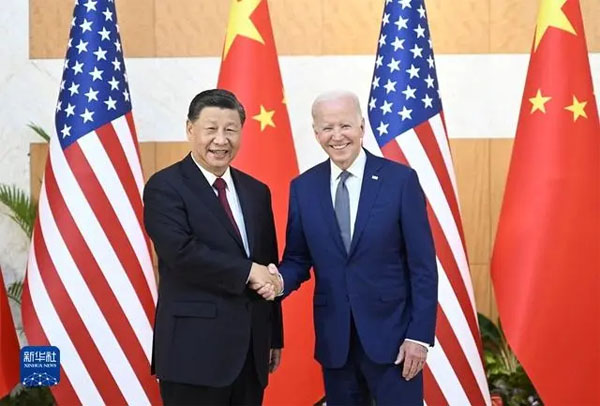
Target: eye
346 126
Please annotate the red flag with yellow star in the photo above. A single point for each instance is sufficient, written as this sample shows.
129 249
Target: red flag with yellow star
250 69
546 261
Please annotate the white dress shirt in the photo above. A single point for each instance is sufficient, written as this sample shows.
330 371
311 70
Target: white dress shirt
354 184
232 199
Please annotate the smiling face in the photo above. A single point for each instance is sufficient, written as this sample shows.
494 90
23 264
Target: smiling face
339 128
215 138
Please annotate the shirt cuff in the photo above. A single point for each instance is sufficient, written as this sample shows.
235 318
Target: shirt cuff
418 342
282 287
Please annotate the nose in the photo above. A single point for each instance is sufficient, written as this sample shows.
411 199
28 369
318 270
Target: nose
337 133
220 138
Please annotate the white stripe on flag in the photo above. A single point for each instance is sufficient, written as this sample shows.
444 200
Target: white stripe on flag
456 318
101 249
126 139
56 334
417 158
440 135
445 376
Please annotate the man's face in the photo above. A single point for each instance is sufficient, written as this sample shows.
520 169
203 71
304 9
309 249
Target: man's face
339 128
215 138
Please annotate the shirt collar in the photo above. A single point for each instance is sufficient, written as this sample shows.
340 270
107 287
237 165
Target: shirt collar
211 177
357 168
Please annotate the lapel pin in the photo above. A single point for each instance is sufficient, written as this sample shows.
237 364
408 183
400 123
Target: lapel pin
375 177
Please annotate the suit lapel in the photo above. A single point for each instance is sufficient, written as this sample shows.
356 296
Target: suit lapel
199 184
368 194
248 205
324 196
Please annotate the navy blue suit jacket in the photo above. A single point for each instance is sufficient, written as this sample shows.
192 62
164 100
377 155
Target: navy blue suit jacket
388 280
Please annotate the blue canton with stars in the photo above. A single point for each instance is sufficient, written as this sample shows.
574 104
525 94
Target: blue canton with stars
404 90
94 87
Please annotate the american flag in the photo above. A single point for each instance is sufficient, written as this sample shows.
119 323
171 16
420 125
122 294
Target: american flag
405 113
90 286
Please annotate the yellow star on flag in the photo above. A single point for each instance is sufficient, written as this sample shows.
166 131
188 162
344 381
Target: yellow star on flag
539 102
551 15
577 108
265 118
241 24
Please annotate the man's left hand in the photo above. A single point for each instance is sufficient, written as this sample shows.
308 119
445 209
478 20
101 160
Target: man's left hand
414 356
274 359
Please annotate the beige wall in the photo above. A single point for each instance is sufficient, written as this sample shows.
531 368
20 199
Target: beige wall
165 28
481 166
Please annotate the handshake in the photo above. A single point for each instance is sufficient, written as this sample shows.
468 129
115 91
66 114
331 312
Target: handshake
266 281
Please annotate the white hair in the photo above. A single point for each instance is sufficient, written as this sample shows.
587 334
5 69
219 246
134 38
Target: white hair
336 95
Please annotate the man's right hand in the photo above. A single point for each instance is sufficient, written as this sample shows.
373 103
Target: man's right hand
264 281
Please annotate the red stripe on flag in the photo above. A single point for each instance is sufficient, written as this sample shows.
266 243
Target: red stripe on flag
451 270
73 323
456 356
131 125
111 225
433 393
63 392
97 283
109 140
432 149
133 132
392 151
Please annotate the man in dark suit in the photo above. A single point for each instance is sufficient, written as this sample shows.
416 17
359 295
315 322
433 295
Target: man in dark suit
360 221
212 226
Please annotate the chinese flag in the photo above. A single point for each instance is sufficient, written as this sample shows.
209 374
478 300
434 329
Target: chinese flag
546 261
250 69
9 346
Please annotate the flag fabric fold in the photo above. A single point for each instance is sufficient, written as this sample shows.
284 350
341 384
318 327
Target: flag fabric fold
90 286
406 116
546 260
9 345
250 69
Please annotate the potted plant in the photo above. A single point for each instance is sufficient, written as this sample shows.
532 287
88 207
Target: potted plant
505 375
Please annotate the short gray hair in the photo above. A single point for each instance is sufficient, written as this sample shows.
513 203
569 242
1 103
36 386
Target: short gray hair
334 95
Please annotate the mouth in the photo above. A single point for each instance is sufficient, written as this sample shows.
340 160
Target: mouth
339 147
219 153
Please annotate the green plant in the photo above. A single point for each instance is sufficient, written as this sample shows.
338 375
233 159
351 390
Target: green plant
39 131
15 290
40 396
22 209
505 375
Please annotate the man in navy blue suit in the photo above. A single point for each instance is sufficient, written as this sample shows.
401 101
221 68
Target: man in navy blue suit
360 221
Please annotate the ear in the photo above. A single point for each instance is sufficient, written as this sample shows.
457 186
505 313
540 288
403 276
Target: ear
362 127
188 129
